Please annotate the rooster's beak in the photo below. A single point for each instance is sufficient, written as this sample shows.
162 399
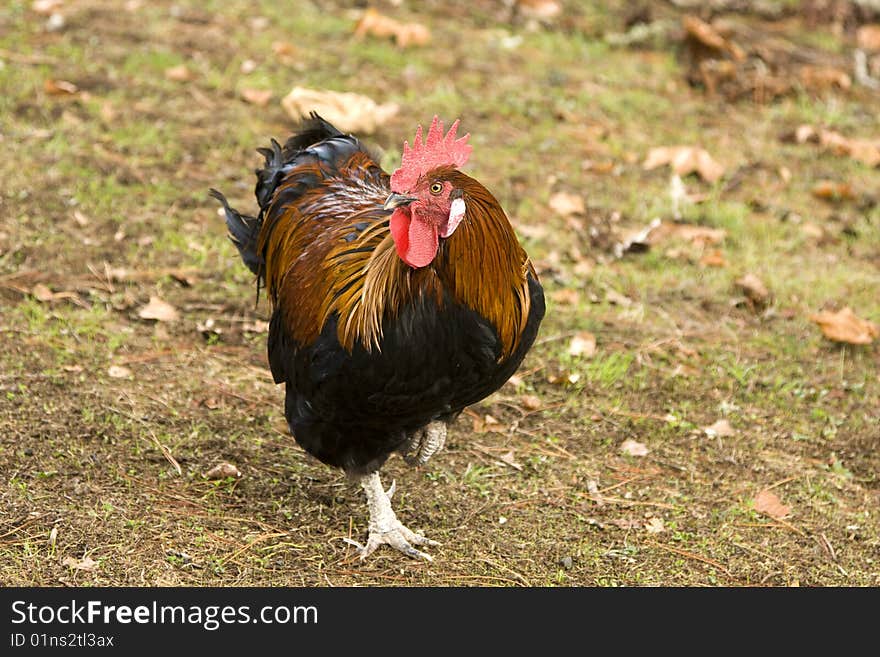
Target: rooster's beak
397 200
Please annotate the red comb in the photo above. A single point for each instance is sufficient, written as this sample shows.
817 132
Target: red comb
435 151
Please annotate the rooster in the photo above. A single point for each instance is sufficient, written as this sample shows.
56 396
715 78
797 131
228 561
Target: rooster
397 300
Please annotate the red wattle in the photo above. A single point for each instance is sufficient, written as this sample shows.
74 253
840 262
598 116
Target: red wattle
416 240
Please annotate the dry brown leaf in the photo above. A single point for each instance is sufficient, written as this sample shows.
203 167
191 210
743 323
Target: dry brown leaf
159 310
530 402
868 37
565 297
707 35
625 523
46 7
59 87
828 190
721 428
347 111
845 326
685 160
260 97
713 258
655 525
583 345
284 49
614 297
118 372
754 289
179 73
516 380
222 471
813 230
566 205
633 448
698 235
258 326
824 77
86 563
509 458
42 293
866 151
767 502
542 10
487 423
404 34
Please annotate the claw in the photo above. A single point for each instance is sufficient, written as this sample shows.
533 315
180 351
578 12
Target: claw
424 443
385 528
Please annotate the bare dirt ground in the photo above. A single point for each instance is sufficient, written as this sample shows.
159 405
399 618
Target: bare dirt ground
753 440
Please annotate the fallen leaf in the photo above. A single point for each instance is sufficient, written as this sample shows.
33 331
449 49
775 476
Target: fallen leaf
487 423
508 458
824 77
86 563
565 204
46 7
868 37
685 160
633 448
707 35
349 112
255 327
118 372
721 429
754 289
582 345
565 297
159 310
59 87
530 402
768 503
614 297
713 258
222 471
828 190
866 151
179 73
404 34
515 381
42 293
813 230
539 9
625 523
655 525
845 326
259 97
665 231
284 49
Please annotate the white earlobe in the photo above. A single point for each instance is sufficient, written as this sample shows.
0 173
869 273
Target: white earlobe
456 214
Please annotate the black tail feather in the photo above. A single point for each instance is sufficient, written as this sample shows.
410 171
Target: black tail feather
312 131
243 232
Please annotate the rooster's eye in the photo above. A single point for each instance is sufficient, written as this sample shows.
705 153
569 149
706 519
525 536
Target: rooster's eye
436 188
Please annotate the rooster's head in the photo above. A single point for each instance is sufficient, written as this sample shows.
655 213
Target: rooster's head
426 204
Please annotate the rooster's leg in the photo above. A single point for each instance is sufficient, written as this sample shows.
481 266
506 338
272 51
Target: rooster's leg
385 528
424 443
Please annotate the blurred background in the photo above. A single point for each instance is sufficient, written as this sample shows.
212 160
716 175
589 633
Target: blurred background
696 183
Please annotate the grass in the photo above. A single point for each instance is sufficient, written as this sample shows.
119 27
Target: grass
119 172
